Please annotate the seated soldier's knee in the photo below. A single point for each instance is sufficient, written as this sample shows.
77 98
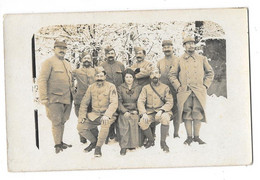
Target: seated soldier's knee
165 120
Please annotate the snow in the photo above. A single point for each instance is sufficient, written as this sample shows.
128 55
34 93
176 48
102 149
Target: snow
216 133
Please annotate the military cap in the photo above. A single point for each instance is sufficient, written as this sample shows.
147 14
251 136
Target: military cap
99 69
108 49
137 49
166 42
188 39
59 43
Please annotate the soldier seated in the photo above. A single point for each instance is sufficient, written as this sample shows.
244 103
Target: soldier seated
154 104
103 98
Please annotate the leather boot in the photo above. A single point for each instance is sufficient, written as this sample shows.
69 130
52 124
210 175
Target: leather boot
149 135
58 148
188 141
197 139
82 139
90 147
65 146
98 152
164 146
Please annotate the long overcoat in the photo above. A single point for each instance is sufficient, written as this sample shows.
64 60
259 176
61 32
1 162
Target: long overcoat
191 73
55 81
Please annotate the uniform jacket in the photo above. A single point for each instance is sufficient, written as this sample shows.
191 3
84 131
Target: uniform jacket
164 65
149 102
127 99
55 81
114 72
104 101
143 77
191 73
84 77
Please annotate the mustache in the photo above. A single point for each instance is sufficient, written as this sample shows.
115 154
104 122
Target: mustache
155 78
99 80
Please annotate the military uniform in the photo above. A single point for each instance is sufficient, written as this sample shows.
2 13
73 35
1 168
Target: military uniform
149 103
114 72
55 86
145 67
84 77
191 75
104 101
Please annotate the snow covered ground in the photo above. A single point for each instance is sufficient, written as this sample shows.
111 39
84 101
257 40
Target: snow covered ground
226 145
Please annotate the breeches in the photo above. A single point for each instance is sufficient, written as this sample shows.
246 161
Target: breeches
165 120
58 114
192 109
86 127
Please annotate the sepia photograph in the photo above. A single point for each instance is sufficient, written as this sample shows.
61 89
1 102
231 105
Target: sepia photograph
128 89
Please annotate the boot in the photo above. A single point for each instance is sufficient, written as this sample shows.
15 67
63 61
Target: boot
164 146
65 146
82 139
197 139
153 128
188 141
90 147
98 152
149 144
123 151
149 135
58 148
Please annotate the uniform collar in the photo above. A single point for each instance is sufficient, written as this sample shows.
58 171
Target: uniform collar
187 55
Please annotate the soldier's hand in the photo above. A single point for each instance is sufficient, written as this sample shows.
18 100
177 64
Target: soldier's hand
158 115
145 118
105 120
126 114
44 102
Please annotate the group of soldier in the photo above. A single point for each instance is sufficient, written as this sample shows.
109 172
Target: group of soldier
112 101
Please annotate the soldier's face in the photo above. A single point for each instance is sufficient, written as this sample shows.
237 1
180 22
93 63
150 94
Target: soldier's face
100 77
129 79
168 50
155 75
86 61
140 56
60 52
111 55
190 46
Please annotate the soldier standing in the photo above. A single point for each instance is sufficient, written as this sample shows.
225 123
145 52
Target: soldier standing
84 76
142 67
104 102
114 74
55 90
164 65
191 76
154 104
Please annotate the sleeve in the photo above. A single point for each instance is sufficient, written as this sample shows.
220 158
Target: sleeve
145 72
174 74
43 80
121 107
85 103
169 100
113 104
209 73
142 101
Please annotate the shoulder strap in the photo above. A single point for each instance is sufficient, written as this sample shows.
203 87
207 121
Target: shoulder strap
161 98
